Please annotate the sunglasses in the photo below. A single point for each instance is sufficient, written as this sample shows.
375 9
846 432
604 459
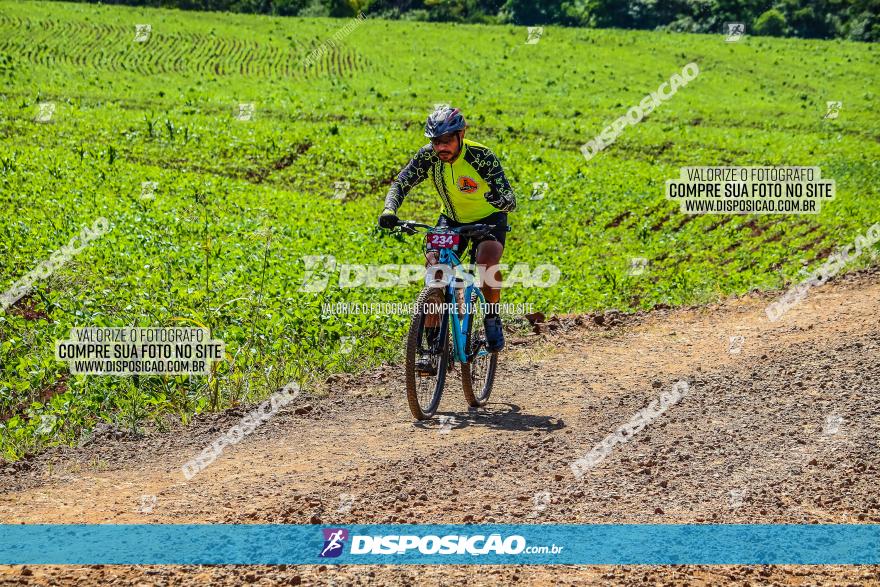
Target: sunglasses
447 138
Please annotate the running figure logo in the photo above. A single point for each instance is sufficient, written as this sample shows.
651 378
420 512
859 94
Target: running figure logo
334 541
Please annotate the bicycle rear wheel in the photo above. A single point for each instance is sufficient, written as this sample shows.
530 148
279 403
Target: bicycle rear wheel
423 390
478 373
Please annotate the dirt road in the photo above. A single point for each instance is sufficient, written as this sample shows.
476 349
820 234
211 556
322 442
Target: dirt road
780 426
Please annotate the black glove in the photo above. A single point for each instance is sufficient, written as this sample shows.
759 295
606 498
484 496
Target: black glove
501 201
388 219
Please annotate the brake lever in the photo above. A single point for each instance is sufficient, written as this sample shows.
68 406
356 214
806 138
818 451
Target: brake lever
407 229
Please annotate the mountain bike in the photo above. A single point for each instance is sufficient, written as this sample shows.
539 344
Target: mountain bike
459 306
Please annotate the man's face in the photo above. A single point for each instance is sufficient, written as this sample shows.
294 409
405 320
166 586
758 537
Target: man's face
446 146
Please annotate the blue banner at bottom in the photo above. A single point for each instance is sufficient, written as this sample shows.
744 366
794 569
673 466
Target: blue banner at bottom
541 544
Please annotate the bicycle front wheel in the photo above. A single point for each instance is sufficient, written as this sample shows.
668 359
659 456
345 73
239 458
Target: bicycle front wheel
426 360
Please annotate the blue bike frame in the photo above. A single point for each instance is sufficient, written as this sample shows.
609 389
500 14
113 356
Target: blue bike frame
460 325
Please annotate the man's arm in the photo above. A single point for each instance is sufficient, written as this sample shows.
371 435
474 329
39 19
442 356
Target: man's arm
415 172
500 194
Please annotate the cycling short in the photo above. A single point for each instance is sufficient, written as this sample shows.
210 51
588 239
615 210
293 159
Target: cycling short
499 219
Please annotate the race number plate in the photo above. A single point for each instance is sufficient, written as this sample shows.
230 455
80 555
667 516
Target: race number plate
442 241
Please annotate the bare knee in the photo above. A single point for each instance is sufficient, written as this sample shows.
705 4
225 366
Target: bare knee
488 259
489 253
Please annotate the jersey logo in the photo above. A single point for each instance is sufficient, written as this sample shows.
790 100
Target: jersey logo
467 184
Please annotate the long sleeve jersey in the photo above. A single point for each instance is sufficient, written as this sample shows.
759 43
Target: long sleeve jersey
471 188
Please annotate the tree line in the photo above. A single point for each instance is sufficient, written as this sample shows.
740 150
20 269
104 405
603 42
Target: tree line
857 20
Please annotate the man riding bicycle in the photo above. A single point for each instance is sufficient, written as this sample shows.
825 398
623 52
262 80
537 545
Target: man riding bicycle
473 190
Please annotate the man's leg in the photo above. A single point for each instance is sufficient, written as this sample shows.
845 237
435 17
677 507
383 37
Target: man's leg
432 321
425 364
433 258
488 257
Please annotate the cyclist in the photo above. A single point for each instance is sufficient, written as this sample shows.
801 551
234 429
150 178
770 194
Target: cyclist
473 190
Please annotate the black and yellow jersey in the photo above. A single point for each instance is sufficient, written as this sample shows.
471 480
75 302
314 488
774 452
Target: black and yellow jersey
471 188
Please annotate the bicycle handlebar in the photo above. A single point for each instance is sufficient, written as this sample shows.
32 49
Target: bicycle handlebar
410 226
468 230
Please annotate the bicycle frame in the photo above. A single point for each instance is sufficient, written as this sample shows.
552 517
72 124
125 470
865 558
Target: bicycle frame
459 325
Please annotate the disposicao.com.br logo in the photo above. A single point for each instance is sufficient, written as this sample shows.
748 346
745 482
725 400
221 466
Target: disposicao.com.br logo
452 544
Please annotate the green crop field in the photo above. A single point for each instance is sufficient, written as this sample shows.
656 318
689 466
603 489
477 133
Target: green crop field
220 237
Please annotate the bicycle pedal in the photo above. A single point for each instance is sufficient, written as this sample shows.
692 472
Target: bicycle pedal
424 368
